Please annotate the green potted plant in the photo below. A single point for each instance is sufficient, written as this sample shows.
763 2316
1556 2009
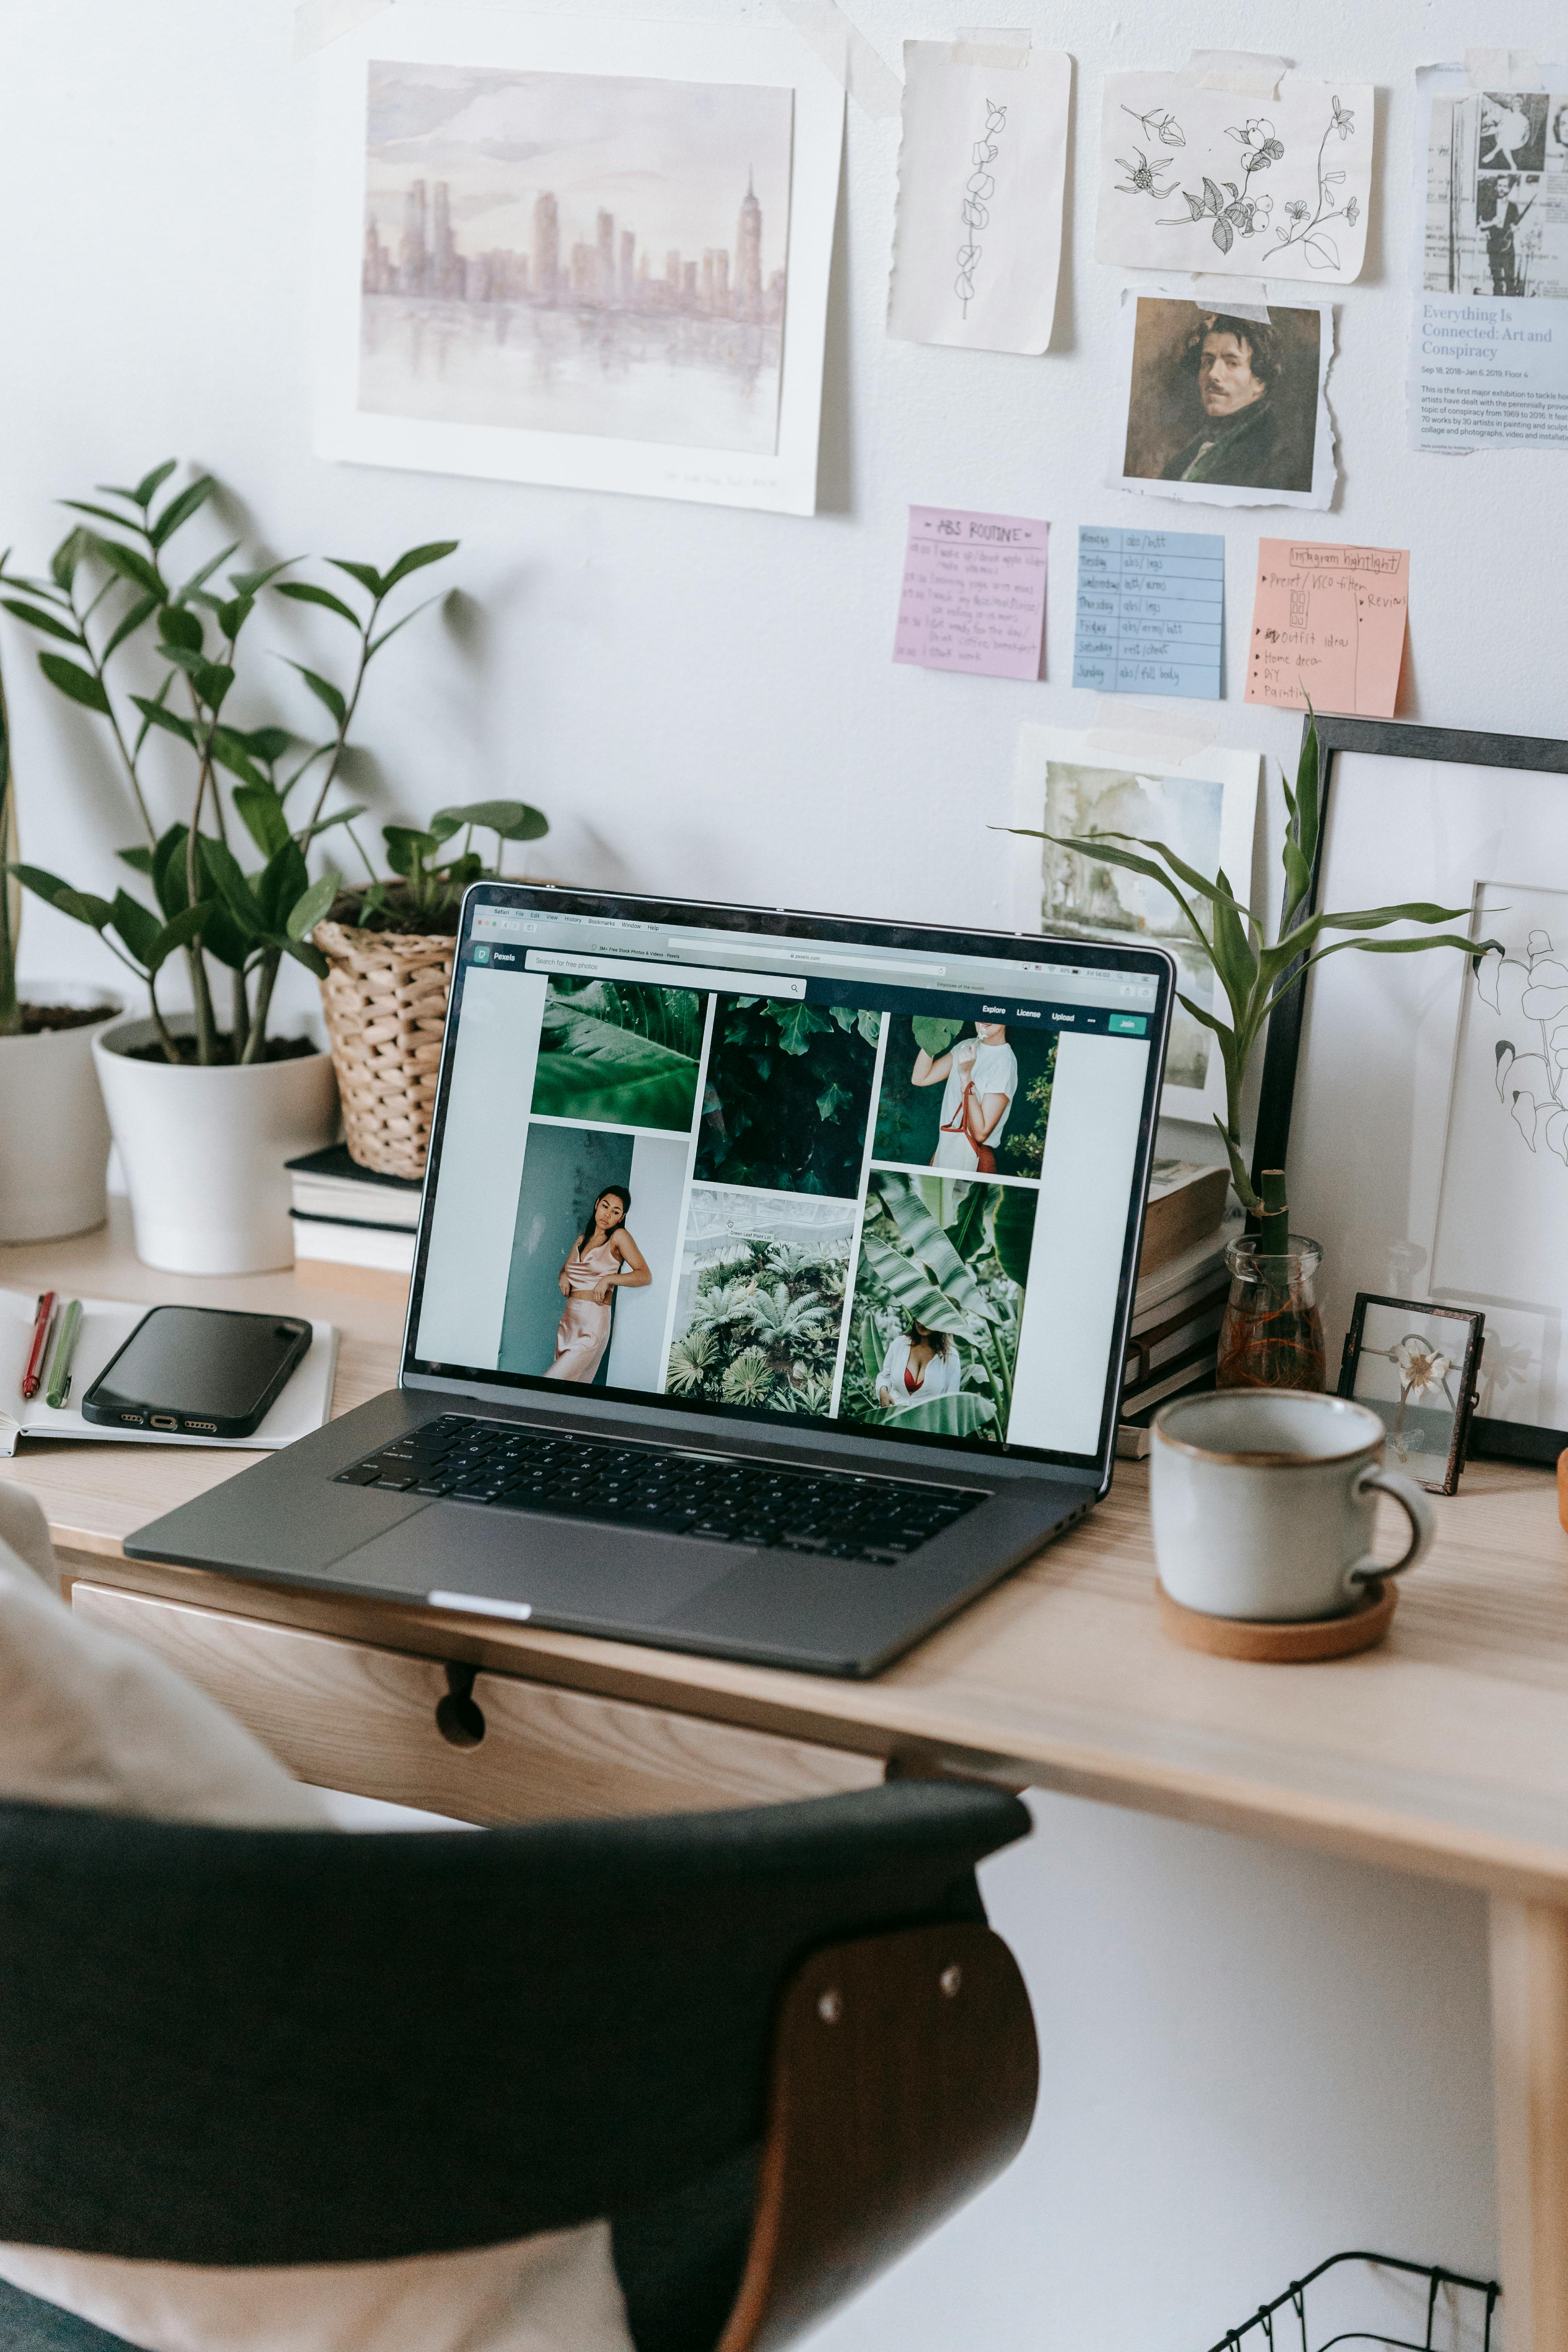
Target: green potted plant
206 1104
52 1161
1272 1335
388 947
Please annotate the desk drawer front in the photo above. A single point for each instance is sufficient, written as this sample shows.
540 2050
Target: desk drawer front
345 1715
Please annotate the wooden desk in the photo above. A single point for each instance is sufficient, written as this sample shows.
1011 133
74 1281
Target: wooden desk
1443 1752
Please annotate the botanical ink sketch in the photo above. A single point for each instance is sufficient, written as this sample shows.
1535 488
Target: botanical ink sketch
976 209
575 254
1504 1199
1281 191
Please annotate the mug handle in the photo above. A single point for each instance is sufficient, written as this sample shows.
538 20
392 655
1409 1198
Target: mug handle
1417 1510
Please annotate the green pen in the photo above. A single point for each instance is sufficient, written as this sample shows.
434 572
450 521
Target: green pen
59 1386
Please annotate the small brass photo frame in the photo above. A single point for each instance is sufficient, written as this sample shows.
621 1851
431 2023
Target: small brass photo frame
1415 1365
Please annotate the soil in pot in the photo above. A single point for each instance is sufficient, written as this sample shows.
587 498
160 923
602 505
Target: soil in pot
277 1049
37 1018
394 916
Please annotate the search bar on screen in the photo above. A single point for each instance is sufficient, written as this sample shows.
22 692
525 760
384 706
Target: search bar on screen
657 975
841 961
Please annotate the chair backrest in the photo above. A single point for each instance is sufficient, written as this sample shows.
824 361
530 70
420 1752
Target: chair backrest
242 2046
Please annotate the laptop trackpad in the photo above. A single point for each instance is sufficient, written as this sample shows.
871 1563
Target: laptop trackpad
559 1567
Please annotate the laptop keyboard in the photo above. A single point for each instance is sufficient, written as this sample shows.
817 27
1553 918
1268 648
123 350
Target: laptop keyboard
717 1497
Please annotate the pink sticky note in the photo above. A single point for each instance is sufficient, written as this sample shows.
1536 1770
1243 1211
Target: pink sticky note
974 594
1328 625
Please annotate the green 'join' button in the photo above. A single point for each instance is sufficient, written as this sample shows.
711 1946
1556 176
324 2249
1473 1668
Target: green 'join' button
1128 1025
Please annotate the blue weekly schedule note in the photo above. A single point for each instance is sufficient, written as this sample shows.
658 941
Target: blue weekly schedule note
1150 612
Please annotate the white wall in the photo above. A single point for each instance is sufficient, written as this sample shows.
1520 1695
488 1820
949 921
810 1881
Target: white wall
1251 2057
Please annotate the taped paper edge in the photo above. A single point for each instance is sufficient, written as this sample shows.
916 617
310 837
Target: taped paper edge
1246 73
1503 69
848 56
1243 298
1139 731
318 22
996 49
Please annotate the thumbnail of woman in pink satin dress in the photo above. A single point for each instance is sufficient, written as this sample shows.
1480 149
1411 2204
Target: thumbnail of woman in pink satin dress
604 1259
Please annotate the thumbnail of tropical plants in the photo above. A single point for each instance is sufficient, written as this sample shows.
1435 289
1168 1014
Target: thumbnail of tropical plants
951 1255
759 1324
788 1096
617 1054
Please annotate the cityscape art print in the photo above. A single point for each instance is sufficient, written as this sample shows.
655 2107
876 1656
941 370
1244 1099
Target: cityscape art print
575 253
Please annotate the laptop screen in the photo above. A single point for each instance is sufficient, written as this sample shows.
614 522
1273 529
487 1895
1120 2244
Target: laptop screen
845 1176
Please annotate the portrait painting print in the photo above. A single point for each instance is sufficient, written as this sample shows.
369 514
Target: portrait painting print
1227 408
551 256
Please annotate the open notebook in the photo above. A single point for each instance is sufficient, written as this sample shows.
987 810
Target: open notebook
106 1325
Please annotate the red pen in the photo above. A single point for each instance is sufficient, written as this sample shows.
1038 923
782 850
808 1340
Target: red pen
35 1371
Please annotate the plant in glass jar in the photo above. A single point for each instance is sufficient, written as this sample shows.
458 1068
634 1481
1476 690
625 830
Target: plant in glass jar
1272 1335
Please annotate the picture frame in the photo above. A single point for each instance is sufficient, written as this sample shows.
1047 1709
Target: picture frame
1399 1353
1098 781
562 250
1376 1078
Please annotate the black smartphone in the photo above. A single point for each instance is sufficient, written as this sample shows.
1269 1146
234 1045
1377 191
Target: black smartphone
197 1372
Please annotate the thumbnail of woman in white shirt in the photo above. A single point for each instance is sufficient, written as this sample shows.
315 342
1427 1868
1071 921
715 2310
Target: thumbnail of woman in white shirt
920 1363
981 1079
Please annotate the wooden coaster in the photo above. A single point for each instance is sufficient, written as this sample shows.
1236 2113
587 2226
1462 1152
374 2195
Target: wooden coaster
1291 1644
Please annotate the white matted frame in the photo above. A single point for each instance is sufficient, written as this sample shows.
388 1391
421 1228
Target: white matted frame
468 35
1204 807
1418 1155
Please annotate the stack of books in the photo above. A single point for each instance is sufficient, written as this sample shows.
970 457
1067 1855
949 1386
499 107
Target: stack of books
353 1230
1173 1342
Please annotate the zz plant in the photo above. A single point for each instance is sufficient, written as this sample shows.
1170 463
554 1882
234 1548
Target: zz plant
111 592
1254 975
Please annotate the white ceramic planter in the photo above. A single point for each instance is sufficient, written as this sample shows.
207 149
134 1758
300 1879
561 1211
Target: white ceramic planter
203 1150
54 1136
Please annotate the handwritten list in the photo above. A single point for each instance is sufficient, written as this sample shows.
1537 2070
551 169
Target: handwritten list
974 594
1150 612
1328 625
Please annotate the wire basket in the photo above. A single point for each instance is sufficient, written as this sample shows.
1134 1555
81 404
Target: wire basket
1282 2326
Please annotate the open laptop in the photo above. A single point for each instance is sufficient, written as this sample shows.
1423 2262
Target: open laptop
772 1284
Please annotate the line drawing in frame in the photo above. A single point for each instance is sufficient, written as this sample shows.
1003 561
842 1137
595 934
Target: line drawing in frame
1390 1146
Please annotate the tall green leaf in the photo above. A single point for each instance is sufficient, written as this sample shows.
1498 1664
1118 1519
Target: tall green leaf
415 560
71 679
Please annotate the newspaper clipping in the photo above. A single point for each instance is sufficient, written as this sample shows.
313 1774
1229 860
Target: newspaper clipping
1489 348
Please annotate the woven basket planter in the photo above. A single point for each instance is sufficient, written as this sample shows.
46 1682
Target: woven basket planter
385 1001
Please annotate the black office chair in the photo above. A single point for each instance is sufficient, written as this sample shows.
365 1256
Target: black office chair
774 2046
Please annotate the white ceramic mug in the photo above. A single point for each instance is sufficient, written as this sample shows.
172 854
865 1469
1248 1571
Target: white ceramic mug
1263 1503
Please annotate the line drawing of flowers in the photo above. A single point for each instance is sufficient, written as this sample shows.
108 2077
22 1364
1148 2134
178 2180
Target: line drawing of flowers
1163 127
1258 137
1307 229
1234 210
1244 215
975 208
1141 179
1533 1086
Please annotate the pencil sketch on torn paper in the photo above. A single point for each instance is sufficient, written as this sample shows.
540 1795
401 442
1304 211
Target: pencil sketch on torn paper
575 254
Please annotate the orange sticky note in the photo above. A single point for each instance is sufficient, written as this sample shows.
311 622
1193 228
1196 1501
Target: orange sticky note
1328 625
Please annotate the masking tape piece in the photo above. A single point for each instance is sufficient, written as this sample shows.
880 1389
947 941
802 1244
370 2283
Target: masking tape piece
996 51
1136 731
1243 298
1246 73
1503 69
847 55
317 22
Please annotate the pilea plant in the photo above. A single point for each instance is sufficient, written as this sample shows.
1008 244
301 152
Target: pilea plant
1254 975
109 604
